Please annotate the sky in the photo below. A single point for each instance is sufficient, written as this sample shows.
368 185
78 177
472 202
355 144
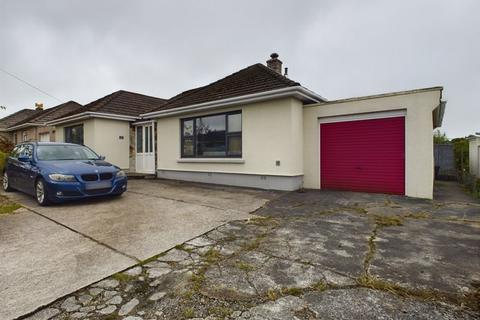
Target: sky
83 50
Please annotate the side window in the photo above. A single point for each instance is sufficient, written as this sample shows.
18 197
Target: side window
28 151
23 150
15 152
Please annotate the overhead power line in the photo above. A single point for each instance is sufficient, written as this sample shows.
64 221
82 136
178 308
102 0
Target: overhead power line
30 85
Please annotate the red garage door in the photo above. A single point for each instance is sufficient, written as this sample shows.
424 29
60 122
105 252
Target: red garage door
363 155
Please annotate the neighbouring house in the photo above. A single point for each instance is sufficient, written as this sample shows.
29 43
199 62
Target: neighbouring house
35 128
109 125
474 154
12 120
258 128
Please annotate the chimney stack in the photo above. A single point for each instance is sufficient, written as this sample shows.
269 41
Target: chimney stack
274 63
38 106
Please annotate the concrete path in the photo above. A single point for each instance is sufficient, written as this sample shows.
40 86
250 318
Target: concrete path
48 252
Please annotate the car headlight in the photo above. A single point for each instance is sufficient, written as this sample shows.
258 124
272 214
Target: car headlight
62 177
121 173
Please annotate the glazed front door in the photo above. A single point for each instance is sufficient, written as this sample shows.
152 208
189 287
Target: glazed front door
145 148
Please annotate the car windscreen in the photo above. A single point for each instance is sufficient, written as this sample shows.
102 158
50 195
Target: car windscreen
65 152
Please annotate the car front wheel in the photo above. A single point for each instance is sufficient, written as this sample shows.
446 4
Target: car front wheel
41 193
6 183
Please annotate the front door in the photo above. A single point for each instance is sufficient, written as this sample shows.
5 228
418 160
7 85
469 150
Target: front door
145 148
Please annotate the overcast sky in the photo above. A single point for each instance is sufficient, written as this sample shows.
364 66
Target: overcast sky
83 50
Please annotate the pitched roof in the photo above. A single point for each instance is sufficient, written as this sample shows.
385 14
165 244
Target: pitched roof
17 117
53 113
253 79
121 103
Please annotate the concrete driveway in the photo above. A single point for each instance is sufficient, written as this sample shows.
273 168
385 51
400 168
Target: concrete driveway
48 252
308 255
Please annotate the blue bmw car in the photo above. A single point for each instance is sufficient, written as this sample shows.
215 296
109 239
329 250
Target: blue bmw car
57 172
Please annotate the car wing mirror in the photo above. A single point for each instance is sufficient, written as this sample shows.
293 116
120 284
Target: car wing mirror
101 157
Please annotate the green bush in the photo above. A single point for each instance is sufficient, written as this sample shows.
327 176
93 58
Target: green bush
472 183
3 160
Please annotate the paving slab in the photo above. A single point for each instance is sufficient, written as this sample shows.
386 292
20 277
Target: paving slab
41 261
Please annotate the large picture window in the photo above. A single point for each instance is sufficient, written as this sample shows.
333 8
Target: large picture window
212 136
74 134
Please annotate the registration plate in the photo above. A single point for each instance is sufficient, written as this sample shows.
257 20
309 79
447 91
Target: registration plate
98 185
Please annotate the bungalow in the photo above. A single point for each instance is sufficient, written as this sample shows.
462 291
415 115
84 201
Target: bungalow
12 120
35 128
258 128
108 125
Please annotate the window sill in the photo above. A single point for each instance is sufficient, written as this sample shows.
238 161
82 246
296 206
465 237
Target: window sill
211 160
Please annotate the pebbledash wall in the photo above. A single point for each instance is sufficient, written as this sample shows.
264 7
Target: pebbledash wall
417 106
271 132
109 138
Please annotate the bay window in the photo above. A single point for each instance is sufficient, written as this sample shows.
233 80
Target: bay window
212 136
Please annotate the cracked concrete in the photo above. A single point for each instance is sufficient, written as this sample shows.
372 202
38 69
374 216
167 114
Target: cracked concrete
313 255
48 252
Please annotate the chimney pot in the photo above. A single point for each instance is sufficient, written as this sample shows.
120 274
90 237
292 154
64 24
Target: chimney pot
274 63
38 106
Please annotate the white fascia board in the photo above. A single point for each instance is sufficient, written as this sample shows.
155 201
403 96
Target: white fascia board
148 121
24 125
86 115
297 91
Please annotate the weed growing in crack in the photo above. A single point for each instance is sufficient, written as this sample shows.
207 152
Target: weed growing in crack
470 300
272 294
151 259
372 248
211 256
388 221
244 266
189 313
183 247
188 294
122 277
263 221
320 286
222 312
359 210
197 279
292 291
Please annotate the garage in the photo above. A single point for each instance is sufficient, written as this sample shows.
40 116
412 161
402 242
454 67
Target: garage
363 155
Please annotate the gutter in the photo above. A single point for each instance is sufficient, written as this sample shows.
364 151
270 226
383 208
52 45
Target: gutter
376 96
24 125
438 114
88 114
297 91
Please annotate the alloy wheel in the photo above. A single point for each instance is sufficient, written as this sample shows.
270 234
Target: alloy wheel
40 192
5 181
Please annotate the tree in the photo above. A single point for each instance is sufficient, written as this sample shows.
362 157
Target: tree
460 149
440 137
